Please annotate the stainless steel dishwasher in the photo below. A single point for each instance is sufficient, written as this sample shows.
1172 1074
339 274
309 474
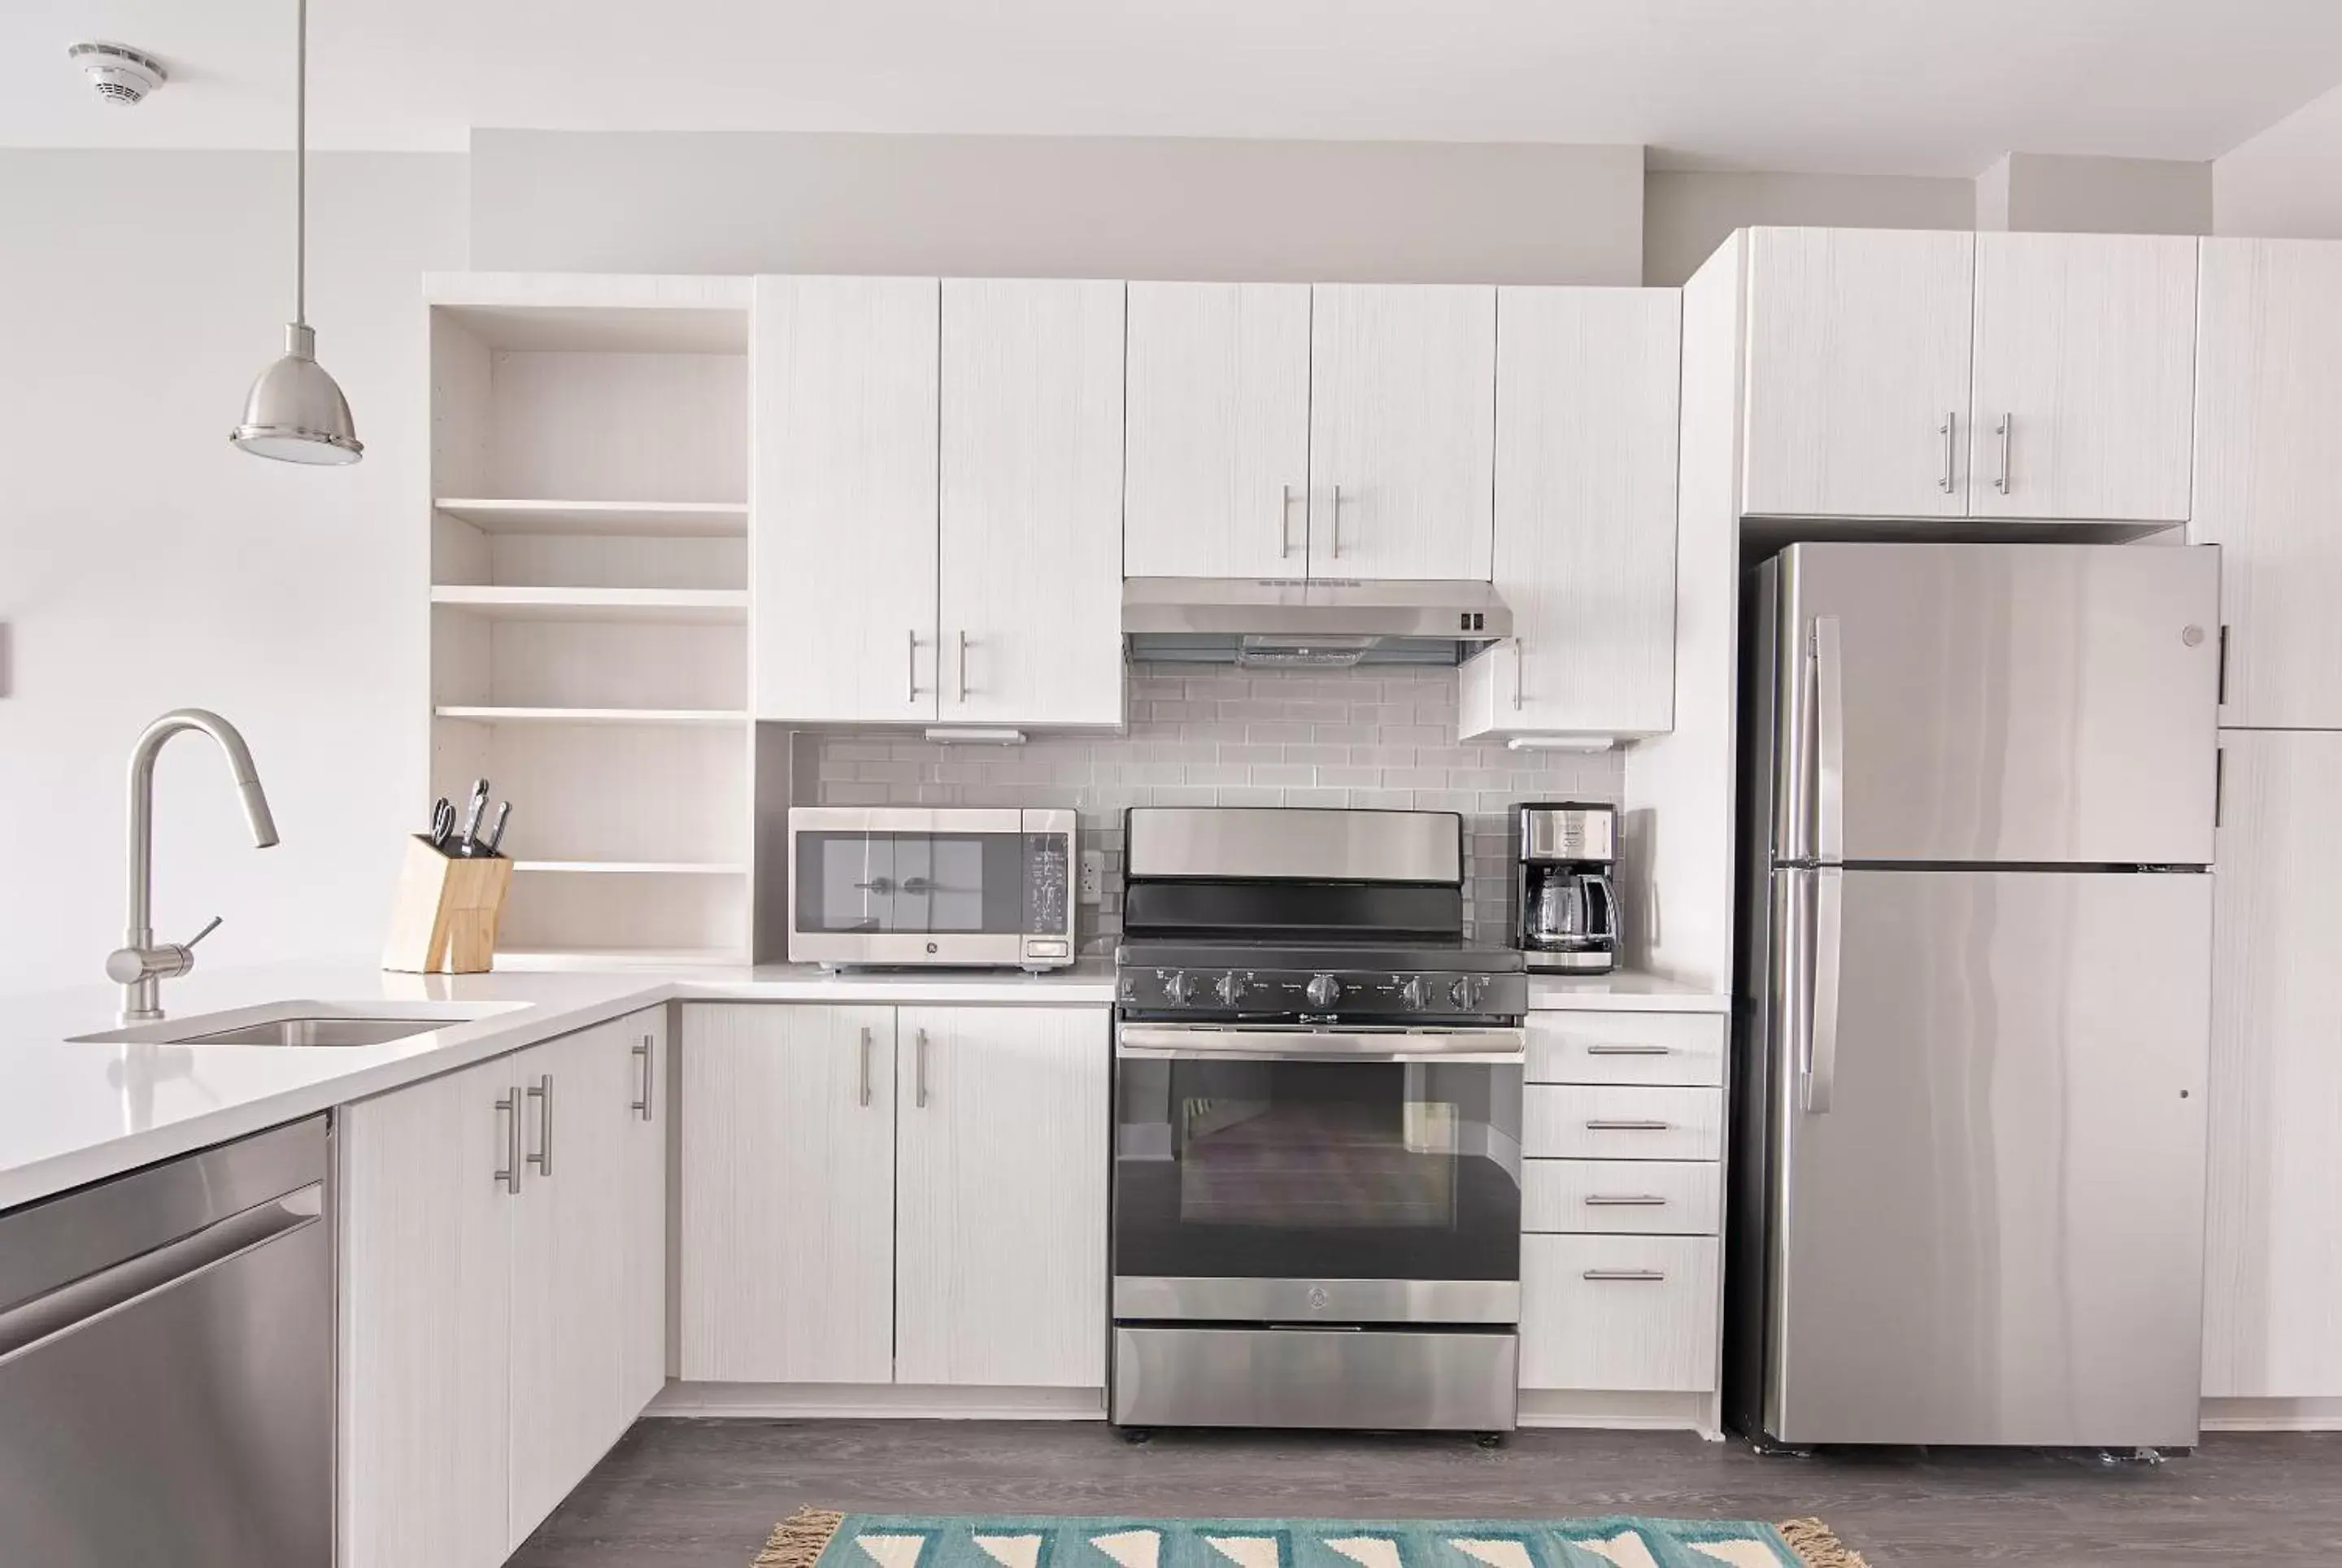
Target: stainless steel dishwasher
166 1364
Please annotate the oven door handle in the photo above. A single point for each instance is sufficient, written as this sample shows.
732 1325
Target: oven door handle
1207 1042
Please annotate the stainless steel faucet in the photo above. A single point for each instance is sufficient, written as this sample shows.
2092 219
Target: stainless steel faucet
139 965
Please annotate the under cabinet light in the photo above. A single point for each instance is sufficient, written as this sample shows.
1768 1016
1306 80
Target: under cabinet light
974 735
1587 744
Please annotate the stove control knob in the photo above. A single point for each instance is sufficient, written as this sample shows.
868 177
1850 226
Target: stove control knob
1177 987
1322 990
1466 993
1229 987
1416 994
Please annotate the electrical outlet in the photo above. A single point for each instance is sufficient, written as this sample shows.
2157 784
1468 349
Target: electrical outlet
1093 876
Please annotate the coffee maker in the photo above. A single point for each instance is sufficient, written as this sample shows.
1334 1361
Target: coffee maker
1566 912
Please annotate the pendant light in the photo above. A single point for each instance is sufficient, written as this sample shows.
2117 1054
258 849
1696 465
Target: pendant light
294 413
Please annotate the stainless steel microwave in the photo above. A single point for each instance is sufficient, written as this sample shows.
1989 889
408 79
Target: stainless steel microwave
893 886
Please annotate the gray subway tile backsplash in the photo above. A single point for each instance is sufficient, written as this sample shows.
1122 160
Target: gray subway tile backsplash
1207 737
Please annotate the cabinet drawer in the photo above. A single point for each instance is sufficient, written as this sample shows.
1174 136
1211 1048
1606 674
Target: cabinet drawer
1605 1122
1619 1312
1678 1048
1647 1197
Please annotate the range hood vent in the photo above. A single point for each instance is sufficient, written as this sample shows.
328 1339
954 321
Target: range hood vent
1271 623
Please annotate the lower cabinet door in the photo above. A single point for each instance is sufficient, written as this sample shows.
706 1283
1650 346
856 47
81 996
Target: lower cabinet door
426 1323
571 1309
788 1193
1001 1216
1619 1312
642 1371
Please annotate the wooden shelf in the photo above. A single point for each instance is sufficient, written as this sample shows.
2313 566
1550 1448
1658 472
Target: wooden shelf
637 868
680 520
714 716
595 603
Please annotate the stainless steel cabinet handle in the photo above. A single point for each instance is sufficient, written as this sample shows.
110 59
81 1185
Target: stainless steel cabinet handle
1652 1274
1603 1124
2005 429
509 1177
963 667
643 1054
1626 1050
919 1062
913 638
1284 522
542 1092
1618 1200
865 1067
1520 670
1338 522
1944 429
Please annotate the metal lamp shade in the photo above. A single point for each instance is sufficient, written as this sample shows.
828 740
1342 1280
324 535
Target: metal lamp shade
295 413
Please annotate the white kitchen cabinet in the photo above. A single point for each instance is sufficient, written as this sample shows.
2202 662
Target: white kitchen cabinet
1030 608
2269 403
1216 472
1857 373
642 1358
2273 1262
1619 1312
1000 1260
1584 551
842 520
2084 380
787 1245
426 1292
1402 435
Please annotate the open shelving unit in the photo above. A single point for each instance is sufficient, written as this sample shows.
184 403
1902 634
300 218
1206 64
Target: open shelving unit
589 604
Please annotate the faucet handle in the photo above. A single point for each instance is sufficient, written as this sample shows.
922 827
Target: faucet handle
128 966
211 926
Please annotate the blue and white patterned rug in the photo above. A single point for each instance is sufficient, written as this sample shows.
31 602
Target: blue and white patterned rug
814 1539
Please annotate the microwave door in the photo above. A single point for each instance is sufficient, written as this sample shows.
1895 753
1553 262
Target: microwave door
957 882
856 879
913 913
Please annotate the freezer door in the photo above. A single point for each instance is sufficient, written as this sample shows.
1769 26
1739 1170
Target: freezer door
2000 704
1994 1231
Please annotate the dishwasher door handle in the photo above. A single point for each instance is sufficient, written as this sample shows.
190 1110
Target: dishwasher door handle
32 1324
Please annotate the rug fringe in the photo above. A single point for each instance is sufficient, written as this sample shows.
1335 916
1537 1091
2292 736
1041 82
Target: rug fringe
799 1540
1818 1546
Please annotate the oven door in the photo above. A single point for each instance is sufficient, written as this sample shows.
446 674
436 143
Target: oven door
1316 1176
895 886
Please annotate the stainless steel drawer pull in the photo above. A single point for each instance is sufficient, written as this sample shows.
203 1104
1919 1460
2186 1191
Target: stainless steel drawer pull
1614 1200
865 1067
1284 522
1646 1274
1626 1050
919 1055
1600 1124
914 636
542 1092
1951 422
643 1053
509 1177
1338 522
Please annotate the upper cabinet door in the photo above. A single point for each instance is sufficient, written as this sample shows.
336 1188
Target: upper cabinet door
1587 384
2269 403
1402 431
1031 614
843 508
1216 474
2085 366
1857 373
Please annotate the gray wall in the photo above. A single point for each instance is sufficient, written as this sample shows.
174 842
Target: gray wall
1204 736
2046 193
1056 207
1687 213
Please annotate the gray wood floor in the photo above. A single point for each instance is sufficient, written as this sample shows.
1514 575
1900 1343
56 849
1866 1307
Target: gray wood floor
702 1493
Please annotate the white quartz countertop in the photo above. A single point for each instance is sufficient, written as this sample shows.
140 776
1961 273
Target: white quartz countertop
1624 991
73 1112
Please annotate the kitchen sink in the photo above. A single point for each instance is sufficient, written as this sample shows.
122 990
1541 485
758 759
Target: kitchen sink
308 1024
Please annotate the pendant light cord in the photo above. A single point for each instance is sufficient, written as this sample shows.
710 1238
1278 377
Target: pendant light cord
301 164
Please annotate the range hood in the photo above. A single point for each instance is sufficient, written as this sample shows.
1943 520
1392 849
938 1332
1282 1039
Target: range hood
1283 622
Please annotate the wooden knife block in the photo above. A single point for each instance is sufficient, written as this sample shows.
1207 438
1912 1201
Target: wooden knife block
443 918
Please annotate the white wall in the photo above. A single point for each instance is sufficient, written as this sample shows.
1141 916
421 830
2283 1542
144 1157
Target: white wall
2287 182
1058 207
2064 194
1687 213
145 564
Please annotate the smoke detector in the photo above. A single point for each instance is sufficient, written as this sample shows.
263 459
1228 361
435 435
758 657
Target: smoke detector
120 75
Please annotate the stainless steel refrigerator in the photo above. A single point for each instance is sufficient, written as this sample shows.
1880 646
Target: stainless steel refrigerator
1978 791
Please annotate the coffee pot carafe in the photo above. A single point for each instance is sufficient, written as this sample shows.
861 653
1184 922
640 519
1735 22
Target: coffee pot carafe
1567 908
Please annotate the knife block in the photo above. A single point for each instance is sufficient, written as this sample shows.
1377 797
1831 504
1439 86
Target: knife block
443 918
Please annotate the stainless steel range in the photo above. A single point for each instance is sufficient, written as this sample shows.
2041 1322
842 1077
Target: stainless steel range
1317 1132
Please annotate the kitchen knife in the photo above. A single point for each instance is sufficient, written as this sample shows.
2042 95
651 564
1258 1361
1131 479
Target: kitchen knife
496 829
478 808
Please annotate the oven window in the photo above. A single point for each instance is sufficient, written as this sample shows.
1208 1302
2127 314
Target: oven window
1275 1170
912 884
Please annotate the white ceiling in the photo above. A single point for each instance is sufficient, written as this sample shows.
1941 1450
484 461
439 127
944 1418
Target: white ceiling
1908 87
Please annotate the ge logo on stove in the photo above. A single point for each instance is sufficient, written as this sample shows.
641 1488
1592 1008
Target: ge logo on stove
1316 1298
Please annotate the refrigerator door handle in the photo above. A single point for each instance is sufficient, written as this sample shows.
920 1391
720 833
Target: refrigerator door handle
1830 742
1821 1031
